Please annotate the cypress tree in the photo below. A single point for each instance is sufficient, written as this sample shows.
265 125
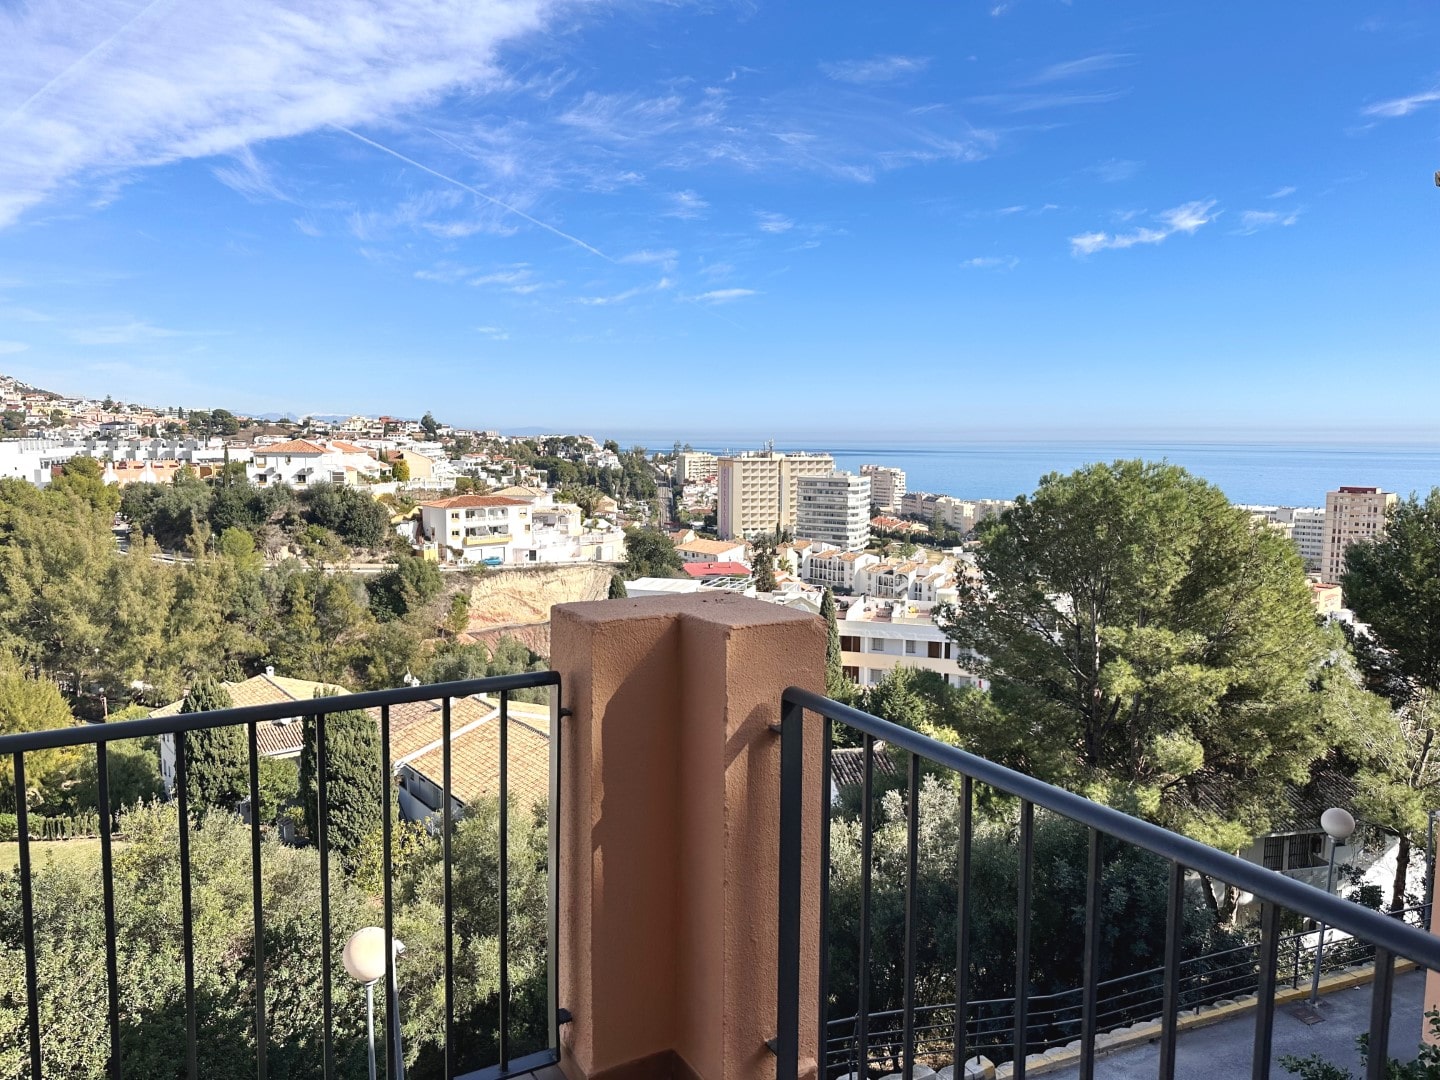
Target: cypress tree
836 684
617 588
354 787
217 759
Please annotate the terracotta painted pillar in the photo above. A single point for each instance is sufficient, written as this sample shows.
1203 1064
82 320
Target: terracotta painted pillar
669 833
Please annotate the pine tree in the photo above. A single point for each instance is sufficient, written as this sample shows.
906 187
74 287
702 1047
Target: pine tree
354 787
217 760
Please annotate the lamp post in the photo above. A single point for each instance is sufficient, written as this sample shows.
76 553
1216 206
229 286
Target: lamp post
1339 825
364 960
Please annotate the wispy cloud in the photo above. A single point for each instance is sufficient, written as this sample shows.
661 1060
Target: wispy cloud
1022 102
722 296
446 273
685 205
131 333
992 262
1114 171
629 294
665 258
108 91
517 279
1282 192
247 176
1072 69
9 348
878 69
1252 221
494 333
308 227
1186 218
1402 106
771 222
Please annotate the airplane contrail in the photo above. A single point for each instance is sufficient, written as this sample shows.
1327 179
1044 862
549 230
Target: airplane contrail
80 63
476 192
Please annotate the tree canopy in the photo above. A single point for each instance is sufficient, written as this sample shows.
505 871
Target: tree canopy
1155 646
650 553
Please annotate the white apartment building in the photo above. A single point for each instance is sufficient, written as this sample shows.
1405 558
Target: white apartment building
887 486
1352 515
301 463
834 509
878 635
759 491
692 465
700 550
490 529
834 568
34 459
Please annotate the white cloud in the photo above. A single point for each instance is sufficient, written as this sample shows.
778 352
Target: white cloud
247 176
92 93
629 294
446 273
308 227
1085 65
992 262
773 223
878 69
1402 106
1280 193
1252 221
685 205
1019 103
514 275
665 259
494 333
1114 171
9 348
722 296
1186 218
131 333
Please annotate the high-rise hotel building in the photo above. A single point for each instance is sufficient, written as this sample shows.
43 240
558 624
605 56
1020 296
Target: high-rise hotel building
887 486
834 509
760 490
1352 515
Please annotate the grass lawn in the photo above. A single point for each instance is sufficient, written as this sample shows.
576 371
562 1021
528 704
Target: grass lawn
57 851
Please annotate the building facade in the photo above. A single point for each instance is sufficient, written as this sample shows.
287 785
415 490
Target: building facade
887 486
834 509
757 492
1352 515
877 636
693 465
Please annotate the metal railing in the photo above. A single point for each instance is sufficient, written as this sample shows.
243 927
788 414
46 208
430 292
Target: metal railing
99 736
1055 1018
1389 937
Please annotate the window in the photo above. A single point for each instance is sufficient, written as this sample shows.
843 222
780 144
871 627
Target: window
1274 853
849 643
1305 851
877 644
934 650
910 647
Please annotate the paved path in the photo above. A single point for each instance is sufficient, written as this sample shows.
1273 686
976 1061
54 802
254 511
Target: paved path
1224 1049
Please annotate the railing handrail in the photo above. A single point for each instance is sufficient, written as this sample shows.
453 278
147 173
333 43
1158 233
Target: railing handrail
89 734
1383 930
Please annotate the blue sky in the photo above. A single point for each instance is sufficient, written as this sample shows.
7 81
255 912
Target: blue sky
923 220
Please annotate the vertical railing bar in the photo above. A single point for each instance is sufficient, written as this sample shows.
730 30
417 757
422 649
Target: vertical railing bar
107 876
1265 990
787 997
1022 938
867 849
394 1065
1174 928
1382 993
504 881
262 1036
1094 892
962 920
322 835
445 823
27 918
187 912
912 912
824 803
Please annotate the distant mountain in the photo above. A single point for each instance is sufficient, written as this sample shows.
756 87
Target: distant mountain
324 418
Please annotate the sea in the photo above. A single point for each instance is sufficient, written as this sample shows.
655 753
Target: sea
1267 473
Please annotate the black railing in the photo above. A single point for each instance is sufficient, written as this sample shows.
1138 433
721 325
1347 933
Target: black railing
1056 1019
18 746
1027 1020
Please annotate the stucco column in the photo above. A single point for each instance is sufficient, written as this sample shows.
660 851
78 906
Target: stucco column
669 833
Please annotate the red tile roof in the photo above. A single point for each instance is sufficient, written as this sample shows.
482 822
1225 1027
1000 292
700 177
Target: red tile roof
716 569
294 446
460 501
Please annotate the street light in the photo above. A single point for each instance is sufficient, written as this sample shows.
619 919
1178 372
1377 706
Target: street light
364 960
1339 825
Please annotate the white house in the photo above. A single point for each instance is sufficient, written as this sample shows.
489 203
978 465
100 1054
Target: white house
490 529
712 551
301 463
